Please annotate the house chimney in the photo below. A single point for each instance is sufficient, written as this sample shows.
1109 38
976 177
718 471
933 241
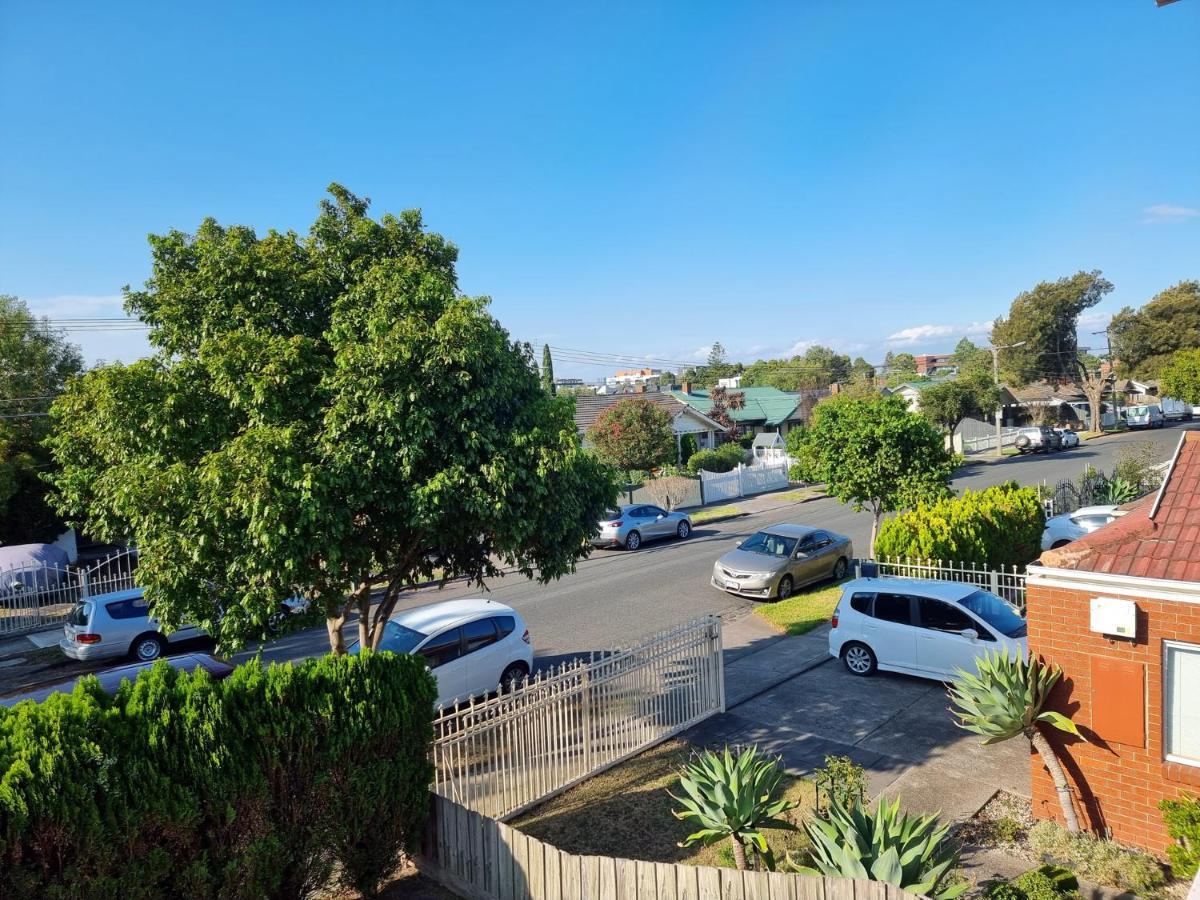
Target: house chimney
687 387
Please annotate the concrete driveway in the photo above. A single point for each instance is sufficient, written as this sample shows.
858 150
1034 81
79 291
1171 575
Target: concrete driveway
897 727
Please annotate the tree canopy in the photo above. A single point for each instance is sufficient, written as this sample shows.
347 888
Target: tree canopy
874 454
548 371
1145 340
818 367
948 403
634 434
1180 378
323 413
972 361
35 363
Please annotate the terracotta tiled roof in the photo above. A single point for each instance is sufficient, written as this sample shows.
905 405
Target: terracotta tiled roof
588 408
1158 538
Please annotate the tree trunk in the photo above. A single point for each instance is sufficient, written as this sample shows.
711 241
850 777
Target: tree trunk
1054 767
876 515
739 852
333 625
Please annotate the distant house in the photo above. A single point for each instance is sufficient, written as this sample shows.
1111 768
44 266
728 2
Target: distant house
911 390
763 409
684 419
1042 401
935 363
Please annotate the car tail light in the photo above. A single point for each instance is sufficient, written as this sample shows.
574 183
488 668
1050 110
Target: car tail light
525 636
833 622
87 638
616 524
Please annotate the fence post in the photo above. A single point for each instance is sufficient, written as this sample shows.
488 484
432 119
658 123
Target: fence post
586 697
719 650
994 578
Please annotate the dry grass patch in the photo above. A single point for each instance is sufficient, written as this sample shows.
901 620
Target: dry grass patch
626 812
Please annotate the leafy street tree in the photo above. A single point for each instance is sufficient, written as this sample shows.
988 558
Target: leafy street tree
1180 378
1145 340
900 363
1044 321
875 454
35 364
860 368
548 371
818 367
634 434
323 414
1008 698
948 403
723 401
973 361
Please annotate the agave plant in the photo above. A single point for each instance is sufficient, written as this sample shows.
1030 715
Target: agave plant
912 853
1118 490
1008 698
732 797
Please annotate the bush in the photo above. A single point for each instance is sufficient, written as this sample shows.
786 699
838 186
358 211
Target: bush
262 785
841 781
669 491
1098 860
1183 824
1044 883
998 526
725 458
687 447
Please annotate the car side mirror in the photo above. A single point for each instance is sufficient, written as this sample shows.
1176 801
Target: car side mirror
970 634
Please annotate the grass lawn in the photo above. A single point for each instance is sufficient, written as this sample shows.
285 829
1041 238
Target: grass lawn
714 512
626 812
800 494
803 612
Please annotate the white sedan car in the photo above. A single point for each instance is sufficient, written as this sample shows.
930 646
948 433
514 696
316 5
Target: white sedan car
1068 438
1062 530
473 647
921 627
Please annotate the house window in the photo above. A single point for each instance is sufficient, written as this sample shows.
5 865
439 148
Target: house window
1181 706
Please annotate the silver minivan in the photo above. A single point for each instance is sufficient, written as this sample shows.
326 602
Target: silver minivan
1148 415
117 624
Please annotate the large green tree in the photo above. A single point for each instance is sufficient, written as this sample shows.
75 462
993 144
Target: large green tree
972 361
633 434
324 414
1145 340
548 370
875 454
1180 378
1045 322
818 367
948 403
35 363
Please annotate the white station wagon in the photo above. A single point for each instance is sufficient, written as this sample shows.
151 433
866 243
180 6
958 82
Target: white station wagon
920 627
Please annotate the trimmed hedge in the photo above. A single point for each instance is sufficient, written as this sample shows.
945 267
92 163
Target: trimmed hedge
262 785
998 526
724 459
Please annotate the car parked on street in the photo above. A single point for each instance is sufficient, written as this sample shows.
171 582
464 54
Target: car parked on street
1037 439
118 624
1067 438
776 561
473 647
1062 530
1147 415
634 524
110 679
920 627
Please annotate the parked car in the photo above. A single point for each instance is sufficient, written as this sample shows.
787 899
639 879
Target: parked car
118 624
920 627
1038 439
110 679
779 559
1175 410
1066 438
473 647
1147 415
634 524
1070 527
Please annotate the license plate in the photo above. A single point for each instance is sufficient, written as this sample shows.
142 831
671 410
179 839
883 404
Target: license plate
732 585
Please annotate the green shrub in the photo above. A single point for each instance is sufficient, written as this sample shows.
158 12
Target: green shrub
687 448
724 459
841 780
1098 860
1183 824
262 785
998 526
1044 883
1007 830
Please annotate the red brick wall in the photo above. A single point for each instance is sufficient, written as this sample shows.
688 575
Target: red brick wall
1117 786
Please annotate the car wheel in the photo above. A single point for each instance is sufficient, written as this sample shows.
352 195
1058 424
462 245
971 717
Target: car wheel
839 569
633 540
683 530
515 674
785 587
859 659
147 647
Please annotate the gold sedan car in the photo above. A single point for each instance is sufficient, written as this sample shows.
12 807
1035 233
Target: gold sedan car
776 561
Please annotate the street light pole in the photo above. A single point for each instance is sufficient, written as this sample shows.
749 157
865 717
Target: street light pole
1000 406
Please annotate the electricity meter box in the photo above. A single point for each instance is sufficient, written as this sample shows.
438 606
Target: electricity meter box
1114 617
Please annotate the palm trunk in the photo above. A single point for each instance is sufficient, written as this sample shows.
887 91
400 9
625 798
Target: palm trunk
1054 767
739 852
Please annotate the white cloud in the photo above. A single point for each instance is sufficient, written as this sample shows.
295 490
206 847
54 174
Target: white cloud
918 333
1094 320
1166 213
800 347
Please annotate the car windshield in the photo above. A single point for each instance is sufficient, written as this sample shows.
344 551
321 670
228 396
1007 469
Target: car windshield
1138 410
995 612
396 638
769 544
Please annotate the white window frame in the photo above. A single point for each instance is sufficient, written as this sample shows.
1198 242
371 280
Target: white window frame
1167 647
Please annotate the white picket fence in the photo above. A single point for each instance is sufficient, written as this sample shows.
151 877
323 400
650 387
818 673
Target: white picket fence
742 481
502 755
1008 583
35 597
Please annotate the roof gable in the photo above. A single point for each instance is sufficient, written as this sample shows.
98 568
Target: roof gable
765 405
588 408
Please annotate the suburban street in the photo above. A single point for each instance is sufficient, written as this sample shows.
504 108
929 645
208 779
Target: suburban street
615 596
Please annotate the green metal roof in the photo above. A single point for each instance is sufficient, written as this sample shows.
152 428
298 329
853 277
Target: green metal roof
763 405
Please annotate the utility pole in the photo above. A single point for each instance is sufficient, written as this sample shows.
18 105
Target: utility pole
1000 407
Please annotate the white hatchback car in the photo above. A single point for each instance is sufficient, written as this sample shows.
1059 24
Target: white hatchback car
920 627
1070 527
472 647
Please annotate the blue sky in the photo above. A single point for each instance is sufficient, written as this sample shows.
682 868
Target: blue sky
636 179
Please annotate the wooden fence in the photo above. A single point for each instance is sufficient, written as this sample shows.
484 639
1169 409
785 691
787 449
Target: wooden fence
481 859
502 755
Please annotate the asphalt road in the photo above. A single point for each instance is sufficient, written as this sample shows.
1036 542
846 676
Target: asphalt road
616 596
